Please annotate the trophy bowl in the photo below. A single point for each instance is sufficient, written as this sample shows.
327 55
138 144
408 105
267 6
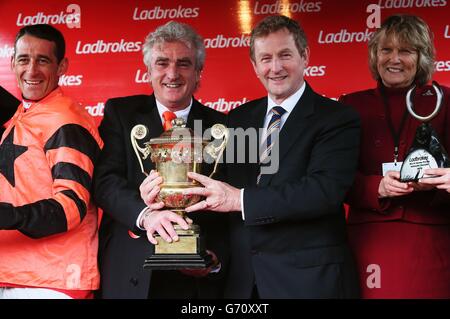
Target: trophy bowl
174 156
175 153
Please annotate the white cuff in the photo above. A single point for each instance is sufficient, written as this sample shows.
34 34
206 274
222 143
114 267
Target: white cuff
138 220
242 204
216 268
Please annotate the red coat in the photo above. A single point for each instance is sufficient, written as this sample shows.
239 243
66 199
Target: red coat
402 244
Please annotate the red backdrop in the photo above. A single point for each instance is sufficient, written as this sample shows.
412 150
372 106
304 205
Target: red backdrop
104 40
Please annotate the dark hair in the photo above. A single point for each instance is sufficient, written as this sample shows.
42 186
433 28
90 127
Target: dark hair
46 32
410 30
272 24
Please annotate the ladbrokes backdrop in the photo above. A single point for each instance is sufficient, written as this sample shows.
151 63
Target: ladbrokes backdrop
104 40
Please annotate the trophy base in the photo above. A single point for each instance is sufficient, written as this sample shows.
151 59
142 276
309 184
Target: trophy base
188 252
414 165
177 261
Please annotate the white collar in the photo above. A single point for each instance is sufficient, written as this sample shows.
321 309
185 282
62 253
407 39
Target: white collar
289 103
184 113
26 104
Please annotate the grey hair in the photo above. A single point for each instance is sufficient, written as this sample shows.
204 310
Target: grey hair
175 32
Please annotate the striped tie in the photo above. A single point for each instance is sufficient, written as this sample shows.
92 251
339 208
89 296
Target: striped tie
273 129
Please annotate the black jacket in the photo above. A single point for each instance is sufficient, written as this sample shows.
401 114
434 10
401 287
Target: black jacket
293 241
117 178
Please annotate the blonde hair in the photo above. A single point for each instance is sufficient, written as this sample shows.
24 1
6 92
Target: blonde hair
410 30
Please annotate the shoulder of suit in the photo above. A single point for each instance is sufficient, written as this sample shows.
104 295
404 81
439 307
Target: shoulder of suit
216 116
446 90
130 101
248 107
349 98
428 90
327 108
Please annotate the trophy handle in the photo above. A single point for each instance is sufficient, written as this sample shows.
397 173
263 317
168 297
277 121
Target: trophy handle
138 133
428 118
218 131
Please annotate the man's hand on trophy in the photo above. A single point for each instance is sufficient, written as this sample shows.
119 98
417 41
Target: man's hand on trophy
161 222
441 179
150 187
219 196
202 272
390 186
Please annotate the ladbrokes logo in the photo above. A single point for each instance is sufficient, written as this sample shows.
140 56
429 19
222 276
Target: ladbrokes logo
101 46
220 41
397 4
283 6
141 77
442 66
222 105
159 13
70 80
447 32
71 17
344 36
96 110
6 51
315 70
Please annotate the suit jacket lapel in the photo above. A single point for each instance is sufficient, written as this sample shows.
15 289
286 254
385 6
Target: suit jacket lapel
148 115
256 121
258 116
195 114
293 127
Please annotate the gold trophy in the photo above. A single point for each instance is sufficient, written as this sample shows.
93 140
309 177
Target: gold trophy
175 153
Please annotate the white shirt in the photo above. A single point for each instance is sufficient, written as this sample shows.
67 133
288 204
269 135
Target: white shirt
184 113
287 104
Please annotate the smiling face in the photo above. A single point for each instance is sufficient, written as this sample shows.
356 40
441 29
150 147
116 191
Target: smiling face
173 74
279 65
396 62
36 67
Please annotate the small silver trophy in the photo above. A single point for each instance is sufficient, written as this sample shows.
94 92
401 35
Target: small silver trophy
426 150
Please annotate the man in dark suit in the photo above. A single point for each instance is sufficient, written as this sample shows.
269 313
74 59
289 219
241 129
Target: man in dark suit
288 235
8 106
174 55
